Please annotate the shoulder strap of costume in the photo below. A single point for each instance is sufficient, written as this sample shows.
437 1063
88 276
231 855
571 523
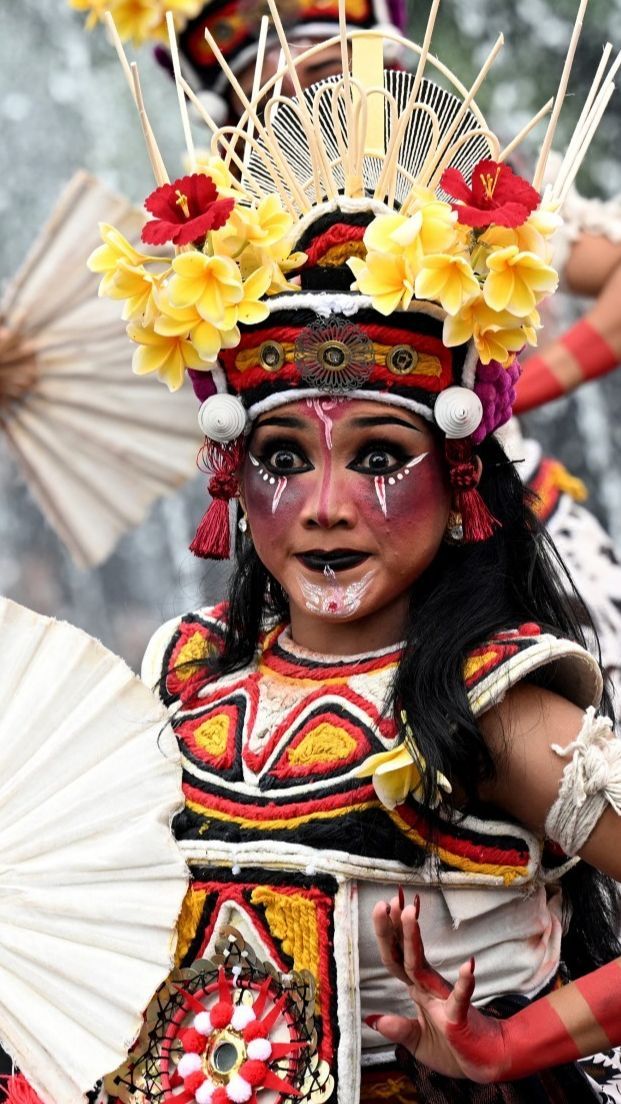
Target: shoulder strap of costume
175 649
492 669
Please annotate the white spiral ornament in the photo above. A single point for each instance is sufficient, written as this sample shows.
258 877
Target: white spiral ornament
222 418
458 412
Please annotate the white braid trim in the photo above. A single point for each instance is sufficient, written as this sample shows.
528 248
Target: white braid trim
590 782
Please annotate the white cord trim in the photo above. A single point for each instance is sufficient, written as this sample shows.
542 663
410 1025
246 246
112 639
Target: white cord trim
590 782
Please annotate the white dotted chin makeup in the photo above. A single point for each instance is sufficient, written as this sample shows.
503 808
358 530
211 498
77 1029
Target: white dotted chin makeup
333 599
380 481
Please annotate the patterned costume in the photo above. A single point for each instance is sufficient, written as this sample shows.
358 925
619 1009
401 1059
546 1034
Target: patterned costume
288 847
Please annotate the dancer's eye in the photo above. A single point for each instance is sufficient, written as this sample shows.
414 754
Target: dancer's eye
284 459
380 459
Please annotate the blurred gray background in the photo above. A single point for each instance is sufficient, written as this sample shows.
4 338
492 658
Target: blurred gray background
64 105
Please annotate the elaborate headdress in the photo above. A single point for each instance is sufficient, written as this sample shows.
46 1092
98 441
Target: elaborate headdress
365 237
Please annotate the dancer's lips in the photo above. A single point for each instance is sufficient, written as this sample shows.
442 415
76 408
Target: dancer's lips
340 559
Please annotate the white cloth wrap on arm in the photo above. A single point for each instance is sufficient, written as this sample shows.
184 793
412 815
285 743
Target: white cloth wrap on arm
591 781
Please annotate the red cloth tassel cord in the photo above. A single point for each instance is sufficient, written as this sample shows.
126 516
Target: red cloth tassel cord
592 357
212 540
16 1090
477 521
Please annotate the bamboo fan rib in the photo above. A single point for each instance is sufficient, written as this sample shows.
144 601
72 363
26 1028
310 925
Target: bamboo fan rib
96 444
91 880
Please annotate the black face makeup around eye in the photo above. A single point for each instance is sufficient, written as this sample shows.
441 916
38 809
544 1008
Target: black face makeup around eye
380 458
282 457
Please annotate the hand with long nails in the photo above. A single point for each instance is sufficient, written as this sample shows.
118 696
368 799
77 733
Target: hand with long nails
445 1032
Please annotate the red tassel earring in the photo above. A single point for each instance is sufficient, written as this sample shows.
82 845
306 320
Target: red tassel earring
212 540
477 521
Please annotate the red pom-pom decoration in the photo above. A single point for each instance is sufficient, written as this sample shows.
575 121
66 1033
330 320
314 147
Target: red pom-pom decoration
192 1041
221 1014
255 1030
193 1081
253 1072
220 1096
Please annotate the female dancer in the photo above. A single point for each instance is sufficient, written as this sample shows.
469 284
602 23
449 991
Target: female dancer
396 693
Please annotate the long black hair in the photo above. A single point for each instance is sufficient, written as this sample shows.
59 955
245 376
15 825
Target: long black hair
468 593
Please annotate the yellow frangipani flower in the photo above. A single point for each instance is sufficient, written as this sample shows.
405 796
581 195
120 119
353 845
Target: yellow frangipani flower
497 336
398 773
138 20
268 223
517 281
187 322
277 260
134 284
528 238
386 279
214 167
107 257
263 227
251 310
95 9
211 284
166 356
447 280
437 228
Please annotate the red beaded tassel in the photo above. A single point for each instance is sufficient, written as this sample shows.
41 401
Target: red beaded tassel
212 540
477 521
17 1090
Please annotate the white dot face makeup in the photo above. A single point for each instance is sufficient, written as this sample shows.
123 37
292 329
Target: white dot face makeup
381 481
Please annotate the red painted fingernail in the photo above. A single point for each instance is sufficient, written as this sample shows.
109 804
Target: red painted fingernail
417 905
472 965
371 1021
401 898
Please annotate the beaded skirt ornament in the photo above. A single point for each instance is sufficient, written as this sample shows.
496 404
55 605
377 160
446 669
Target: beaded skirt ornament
364 237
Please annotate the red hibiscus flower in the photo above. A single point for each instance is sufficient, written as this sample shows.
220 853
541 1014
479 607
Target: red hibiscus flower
497 196
185 211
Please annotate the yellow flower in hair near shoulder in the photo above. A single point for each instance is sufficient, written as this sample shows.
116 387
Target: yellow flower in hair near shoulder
400 772
517 281
212 284
164 355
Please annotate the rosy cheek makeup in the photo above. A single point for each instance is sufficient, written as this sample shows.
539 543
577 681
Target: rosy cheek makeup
384 483
276 485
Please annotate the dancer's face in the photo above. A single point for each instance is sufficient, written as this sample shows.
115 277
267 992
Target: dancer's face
347 503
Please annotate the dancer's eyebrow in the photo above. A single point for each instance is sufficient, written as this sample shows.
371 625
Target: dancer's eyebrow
285 421
367 422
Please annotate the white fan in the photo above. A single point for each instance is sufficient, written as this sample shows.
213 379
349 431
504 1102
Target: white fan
97 444
91 880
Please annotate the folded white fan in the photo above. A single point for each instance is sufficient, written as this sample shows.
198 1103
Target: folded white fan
91 879
96 444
